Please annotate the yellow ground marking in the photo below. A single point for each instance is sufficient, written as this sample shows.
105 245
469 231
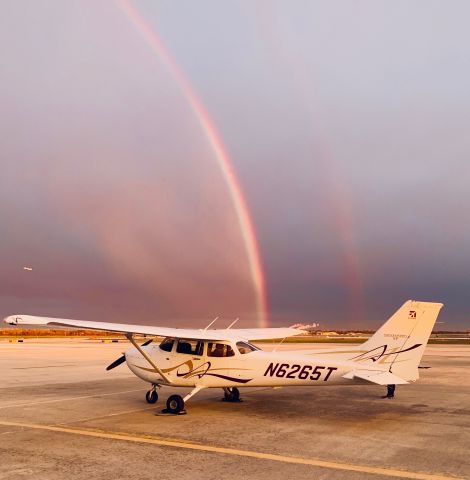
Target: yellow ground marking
65 399
232 451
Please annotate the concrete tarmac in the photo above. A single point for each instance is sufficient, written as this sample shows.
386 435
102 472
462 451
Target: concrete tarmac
63 416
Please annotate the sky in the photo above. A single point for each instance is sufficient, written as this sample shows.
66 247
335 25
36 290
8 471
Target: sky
168 162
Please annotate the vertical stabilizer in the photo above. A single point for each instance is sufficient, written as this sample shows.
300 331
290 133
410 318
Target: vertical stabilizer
399 344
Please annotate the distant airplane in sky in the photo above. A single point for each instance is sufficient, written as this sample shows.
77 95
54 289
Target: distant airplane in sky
28 269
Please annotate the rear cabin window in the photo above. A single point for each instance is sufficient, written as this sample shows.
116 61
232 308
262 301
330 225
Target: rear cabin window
244 347
167 344
190 347
219 350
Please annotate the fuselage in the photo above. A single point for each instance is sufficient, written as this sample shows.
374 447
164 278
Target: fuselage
239 366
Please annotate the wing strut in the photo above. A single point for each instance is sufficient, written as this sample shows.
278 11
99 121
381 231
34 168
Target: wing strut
142 352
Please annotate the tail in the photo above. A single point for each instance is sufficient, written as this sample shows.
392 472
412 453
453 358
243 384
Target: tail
399 344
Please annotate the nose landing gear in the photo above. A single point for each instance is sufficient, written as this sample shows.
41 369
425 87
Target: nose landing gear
152 396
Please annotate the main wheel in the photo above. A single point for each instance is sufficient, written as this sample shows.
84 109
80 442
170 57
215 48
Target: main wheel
151 396
175 404
232 394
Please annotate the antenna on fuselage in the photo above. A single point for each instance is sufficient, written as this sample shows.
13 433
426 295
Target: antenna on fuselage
233 323
212 323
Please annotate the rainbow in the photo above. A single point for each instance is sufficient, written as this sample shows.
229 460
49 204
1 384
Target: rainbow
337 194
220 152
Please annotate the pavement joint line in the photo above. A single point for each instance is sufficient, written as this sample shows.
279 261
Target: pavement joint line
44 366
68 398
103 416
16 471
235 452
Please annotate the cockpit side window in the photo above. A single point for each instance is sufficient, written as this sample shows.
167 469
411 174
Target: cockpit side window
190 347
219 350
244 347
167 344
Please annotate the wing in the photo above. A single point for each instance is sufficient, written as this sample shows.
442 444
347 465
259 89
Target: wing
213 334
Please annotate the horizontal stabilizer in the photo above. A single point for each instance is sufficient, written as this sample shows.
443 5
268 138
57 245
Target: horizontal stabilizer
379 377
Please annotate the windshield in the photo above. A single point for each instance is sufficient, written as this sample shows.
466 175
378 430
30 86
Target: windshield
244 347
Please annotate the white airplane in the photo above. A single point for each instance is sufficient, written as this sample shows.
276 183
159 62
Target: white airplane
226 359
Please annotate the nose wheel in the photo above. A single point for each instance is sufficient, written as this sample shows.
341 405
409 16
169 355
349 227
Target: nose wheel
152 396
231 394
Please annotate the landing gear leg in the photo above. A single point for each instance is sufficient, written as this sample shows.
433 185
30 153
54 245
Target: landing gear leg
175 403
152 395
390 392
232 394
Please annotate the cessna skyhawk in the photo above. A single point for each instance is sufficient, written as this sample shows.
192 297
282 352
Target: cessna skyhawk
226 358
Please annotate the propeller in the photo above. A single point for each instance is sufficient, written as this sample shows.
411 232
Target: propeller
122 358
116 363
